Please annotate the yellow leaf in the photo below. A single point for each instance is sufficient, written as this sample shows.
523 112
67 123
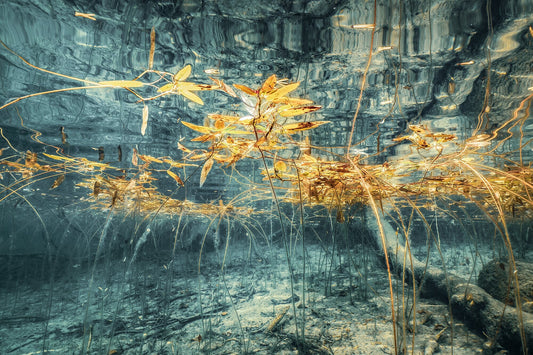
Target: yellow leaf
197 156
145 120
219 124
233 131
269 84
201 129
149 159
283 91
302 126
296 111
204 138
175 177
260 141
280 166
205 170
225 118
123 83
181 146
245 89
191 96
166 87
183 73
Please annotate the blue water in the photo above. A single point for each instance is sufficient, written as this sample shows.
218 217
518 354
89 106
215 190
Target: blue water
437 63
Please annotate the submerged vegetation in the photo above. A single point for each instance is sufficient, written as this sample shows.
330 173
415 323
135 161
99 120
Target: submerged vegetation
440 166
439 170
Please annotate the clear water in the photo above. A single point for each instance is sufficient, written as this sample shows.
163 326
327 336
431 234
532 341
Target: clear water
77 277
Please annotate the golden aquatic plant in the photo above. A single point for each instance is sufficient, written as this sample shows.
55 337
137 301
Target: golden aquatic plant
268 125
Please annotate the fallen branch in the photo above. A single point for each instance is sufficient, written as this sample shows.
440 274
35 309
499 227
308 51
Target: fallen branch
479 310
276 321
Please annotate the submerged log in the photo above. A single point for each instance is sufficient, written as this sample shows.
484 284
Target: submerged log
494 278
469 302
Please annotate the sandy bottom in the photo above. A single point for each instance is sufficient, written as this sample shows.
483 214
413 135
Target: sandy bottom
155 306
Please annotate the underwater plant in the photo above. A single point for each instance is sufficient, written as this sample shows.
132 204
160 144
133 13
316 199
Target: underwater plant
269 126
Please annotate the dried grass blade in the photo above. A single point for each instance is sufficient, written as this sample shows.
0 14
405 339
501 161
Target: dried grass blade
152 49
58 157
145 120
149 159
122 83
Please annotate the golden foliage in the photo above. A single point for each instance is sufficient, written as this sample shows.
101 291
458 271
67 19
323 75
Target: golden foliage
268 127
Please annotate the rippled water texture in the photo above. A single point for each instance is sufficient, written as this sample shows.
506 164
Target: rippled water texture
431 61
418 48
387 75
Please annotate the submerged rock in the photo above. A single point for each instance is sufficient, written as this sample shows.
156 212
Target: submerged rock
494 278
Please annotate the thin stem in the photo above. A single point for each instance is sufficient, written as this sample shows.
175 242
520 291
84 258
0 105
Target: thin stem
363 82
